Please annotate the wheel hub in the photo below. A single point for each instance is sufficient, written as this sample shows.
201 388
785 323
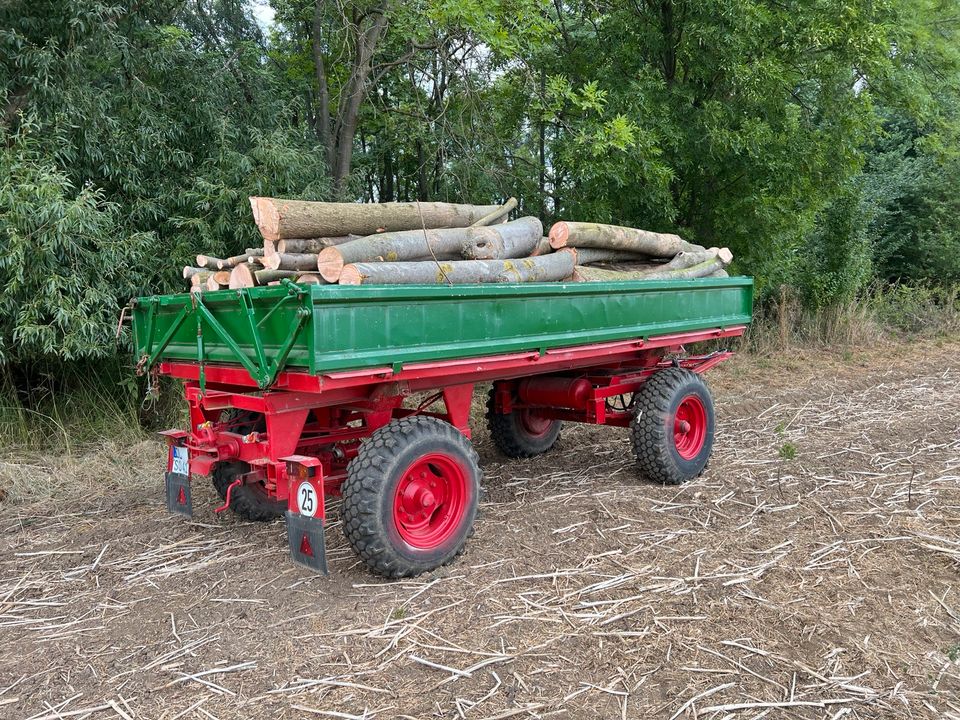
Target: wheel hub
535 424
430 500
690 427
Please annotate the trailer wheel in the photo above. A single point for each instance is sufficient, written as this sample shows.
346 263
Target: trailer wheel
672 427
410 497
250 502
521 433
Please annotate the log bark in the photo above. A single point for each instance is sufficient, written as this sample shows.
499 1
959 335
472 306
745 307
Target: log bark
291 261
310 245
517 239
545 268
543 247
189 272
410 245
614 237
498 215
281 219
555 266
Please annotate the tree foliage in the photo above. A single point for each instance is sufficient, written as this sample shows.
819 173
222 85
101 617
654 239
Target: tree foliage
818 140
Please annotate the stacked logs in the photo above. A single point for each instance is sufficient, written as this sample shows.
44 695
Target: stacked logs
443 243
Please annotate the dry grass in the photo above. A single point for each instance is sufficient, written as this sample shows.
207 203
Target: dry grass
818 587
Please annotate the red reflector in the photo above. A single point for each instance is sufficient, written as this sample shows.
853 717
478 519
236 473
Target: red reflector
181 497
305 548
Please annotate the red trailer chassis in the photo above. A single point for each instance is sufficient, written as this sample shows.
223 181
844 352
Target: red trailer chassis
306 429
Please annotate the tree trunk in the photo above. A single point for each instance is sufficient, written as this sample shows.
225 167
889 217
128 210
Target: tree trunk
352 96
282 219
515 239
555 266
291 261
310 245
497 214
614 237
189 272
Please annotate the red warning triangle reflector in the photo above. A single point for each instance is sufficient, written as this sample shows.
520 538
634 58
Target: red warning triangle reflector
305 548
181 497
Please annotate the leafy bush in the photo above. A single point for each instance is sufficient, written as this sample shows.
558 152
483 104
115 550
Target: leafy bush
67 263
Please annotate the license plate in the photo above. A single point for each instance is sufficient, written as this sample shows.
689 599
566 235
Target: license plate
181 461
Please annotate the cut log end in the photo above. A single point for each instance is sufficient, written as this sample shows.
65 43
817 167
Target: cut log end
725 255
349 275
272 261
330 264
559 234
241 276
267 216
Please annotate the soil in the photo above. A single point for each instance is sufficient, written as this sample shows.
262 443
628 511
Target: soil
811 572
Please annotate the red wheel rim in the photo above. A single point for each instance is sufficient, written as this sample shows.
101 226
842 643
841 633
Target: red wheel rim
431 498
533 424
690 427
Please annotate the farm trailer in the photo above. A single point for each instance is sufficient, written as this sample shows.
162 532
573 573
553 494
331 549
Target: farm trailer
296 393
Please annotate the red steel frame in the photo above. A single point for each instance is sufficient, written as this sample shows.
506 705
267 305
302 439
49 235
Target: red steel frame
314 423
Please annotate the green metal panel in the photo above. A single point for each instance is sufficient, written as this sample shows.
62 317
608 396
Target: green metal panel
322 328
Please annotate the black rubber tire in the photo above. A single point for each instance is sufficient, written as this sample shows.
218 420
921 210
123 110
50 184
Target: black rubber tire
511 438
247 501
247 422
370 487
651 428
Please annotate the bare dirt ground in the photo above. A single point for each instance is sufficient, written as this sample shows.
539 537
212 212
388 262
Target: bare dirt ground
825 586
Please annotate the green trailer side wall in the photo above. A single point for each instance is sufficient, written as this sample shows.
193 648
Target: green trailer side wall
371 326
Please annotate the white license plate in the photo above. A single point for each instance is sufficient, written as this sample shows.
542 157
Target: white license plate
181 461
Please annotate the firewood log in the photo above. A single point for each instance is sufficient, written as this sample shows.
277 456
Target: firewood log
555 266
247 275
412 244
515 239
311 279
280 219
614 237
206 261
310 245
242 276
268 277
291 261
